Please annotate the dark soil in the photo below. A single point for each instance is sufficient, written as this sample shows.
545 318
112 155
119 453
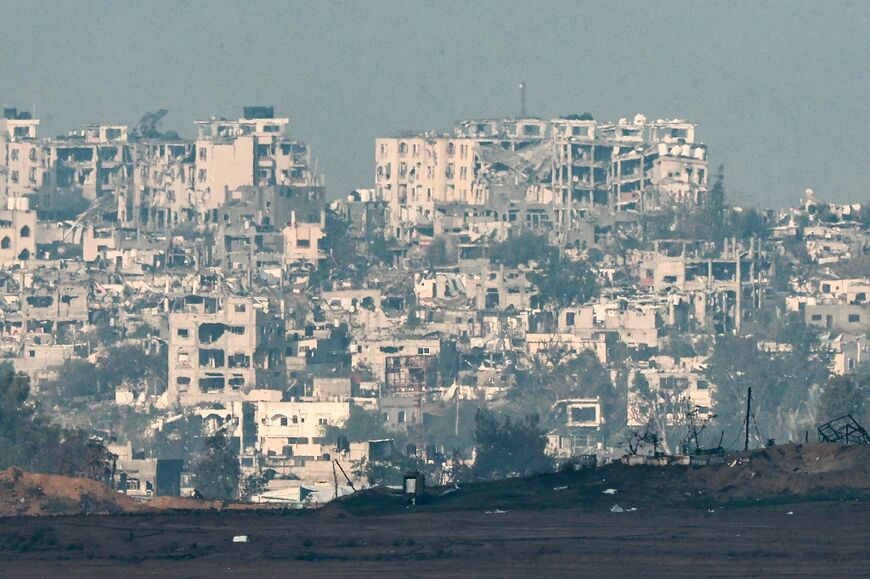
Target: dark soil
789 510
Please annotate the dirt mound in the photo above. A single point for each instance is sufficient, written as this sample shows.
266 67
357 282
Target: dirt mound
790 469
785 472
184 504
26 493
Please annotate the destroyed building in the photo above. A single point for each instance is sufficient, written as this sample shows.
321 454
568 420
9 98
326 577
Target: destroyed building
550 173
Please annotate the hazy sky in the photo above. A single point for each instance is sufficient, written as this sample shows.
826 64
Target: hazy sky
779 89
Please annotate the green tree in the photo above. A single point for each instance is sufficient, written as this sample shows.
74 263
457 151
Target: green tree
29 441
562 282
348 258
216 473
747 223
843 395
557 374
81 379
507 447
438 253
523 249
782 381
23 432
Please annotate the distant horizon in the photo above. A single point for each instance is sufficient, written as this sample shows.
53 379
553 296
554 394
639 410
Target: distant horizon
775 89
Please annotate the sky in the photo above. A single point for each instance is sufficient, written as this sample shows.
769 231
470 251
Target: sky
779 90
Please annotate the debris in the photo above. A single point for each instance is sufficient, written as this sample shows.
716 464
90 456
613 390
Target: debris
616 509
495 512
609 491
790 513
240 539
561 488
844 429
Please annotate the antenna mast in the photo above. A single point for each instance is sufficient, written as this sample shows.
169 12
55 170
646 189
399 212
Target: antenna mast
522 99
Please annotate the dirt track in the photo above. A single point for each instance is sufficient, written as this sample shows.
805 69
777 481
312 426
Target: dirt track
827 539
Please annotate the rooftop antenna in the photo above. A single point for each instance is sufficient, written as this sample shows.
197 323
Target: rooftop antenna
522 99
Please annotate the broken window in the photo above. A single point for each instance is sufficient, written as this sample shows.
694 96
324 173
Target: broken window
183 332
239 361
854 318
583 414
210 383
5 242
569 318
210 333
211 358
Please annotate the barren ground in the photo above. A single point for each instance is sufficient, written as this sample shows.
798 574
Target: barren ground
820 538
792 510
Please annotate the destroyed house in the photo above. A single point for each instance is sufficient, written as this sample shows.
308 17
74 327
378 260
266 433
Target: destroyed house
222 347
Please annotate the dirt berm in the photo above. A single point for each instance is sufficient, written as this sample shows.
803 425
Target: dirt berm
785 472
27 493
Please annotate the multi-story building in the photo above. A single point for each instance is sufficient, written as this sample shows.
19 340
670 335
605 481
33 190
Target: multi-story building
22 160
222 347
559 168
17 231
158 182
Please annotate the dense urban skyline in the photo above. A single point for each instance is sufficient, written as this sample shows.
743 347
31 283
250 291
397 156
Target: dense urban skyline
768 84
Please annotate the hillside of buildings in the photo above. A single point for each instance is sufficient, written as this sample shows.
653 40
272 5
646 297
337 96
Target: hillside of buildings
192 317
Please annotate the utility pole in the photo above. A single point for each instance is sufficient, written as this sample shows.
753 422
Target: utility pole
748 410
456 426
